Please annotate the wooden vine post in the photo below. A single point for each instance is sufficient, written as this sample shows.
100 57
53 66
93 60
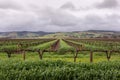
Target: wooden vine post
91 56
24 55
22 50
40 52
108 54
75 55
9 54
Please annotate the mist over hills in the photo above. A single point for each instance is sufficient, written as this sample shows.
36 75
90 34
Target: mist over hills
73 34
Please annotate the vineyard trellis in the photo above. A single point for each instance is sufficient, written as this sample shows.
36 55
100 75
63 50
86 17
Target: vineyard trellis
40 46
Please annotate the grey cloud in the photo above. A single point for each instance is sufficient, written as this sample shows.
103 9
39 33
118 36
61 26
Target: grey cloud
107 23
6 4
60 18
107 4
68 5
52 19
20 20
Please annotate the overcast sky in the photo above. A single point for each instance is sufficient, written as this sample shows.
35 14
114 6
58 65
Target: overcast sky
59 15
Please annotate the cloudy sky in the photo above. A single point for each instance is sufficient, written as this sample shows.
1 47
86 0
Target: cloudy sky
59 15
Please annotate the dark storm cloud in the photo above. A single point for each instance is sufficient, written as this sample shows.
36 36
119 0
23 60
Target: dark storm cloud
107 4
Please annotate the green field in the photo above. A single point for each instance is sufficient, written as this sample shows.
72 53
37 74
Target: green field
58 65
15 69
68 57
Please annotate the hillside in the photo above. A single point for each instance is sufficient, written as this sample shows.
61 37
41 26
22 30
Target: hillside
23 34
86 34
75 34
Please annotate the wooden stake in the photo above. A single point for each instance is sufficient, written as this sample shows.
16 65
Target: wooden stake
75 56
40 54
24 56
108 54
91 56
9 55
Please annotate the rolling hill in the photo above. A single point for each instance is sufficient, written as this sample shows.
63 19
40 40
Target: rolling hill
23 34
74 34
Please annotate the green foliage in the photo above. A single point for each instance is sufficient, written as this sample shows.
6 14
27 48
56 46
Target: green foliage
97 44
58 70
64 47
12 69
42 46
9 48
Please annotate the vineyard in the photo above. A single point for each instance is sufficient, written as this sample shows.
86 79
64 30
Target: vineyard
60 59
60 46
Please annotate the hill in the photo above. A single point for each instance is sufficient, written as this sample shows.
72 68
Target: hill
74 34
23 34
86 34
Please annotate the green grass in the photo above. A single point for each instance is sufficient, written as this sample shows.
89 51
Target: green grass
42 46
9 47
64 47
68 57
95 46
90 47
58 70
59 67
